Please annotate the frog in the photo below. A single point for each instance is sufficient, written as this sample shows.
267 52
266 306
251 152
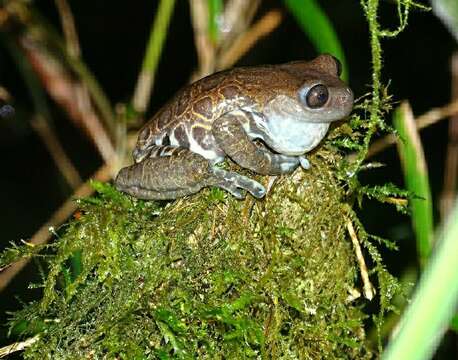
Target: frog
264 118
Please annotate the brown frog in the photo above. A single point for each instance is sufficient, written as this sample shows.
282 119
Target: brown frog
288 108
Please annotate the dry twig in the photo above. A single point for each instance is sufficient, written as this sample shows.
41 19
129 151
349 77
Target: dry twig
245 41
18 346
368 289
451 161
206 50
431 117
69 94
236 18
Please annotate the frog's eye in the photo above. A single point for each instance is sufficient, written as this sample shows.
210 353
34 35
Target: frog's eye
317 96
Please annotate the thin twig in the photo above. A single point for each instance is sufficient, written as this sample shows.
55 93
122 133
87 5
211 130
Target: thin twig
18 346
69 28
43 235
37 36
431 117
245 41
448 194
236 18
206 49
57 152
68 93
368 289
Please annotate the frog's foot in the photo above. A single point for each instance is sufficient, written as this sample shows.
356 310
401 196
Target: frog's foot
305 164
233 182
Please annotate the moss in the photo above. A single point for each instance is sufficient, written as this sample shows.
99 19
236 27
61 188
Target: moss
207 277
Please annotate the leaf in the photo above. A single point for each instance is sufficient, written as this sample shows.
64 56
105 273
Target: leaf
215 8
447 11
416 178
454 323
319 29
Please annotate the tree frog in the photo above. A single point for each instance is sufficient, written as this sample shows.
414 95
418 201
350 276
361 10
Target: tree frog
264 118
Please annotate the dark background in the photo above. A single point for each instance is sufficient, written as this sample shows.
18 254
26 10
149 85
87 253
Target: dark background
113 35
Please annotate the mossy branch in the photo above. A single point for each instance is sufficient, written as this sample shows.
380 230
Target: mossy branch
206 276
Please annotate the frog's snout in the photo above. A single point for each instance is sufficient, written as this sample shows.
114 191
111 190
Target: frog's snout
121 179
346 100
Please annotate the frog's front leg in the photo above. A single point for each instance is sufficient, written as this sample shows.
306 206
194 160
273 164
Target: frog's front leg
235 142
171 172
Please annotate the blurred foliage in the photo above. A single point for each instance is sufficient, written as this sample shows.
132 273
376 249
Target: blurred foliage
416 179
447 11
319 29
215 8
434 302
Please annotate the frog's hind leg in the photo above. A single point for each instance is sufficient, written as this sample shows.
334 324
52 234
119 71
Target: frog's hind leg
171 172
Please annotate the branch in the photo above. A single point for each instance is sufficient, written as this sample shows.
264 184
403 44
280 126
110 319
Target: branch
245 41
69 28
18 346
431 117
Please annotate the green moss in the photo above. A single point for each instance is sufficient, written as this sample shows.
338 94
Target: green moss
207 277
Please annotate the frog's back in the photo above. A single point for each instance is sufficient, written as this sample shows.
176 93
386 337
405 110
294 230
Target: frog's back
187 118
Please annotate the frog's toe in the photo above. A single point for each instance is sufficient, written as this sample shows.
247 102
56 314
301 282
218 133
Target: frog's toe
234 191
229 181
305 164
257 190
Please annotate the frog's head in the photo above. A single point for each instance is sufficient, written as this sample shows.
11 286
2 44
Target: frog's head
297 119
323 96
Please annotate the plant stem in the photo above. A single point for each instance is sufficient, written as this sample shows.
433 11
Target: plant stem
151 59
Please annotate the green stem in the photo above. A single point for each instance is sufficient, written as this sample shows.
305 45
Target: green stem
153 51
370 8
215 7
376 49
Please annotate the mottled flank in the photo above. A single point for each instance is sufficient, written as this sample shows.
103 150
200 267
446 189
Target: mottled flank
204 108
181 136
229 92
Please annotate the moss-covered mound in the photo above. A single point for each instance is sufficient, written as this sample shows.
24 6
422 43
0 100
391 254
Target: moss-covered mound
206 277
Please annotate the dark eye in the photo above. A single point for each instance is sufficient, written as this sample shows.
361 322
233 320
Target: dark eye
317 96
